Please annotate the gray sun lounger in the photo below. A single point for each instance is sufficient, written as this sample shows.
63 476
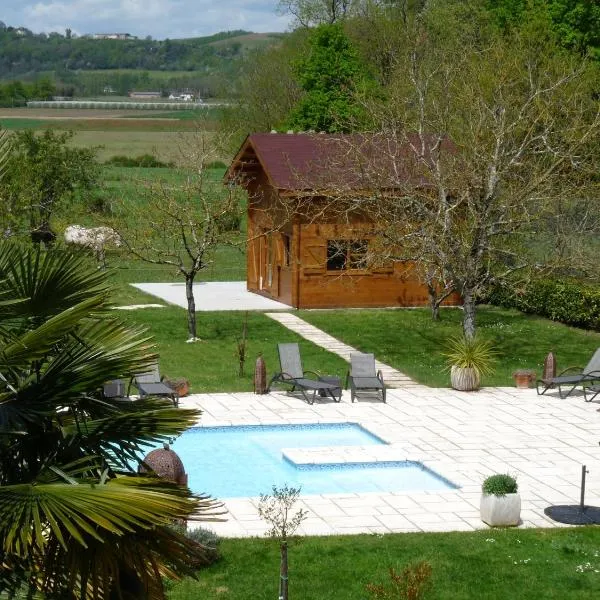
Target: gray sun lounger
292 373
572 377
114 390
150 384
364 377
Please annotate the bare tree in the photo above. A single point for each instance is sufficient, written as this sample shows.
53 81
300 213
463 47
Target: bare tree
502 134
308 13
183 222
481 144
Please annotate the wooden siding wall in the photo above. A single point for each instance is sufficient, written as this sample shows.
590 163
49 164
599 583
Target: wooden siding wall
264 217
392 285
306 283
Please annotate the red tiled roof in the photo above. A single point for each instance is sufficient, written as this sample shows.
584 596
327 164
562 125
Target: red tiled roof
312 161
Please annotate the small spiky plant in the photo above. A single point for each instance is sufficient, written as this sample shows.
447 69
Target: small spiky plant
475 353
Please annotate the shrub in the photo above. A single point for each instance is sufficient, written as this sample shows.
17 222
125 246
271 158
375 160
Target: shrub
144 160
216 164
567 301
209 539
499 485
228 221
412 584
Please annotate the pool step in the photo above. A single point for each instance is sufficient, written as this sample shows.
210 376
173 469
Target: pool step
324 455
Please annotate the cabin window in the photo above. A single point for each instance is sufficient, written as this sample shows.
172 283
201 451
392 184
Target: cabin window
343 255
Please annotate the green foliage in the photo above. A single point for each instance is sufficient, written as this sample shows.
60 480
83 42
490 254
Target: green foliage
44 171
568 301
18 93
470 353
574 23
330 75
69 503
499 485
144 160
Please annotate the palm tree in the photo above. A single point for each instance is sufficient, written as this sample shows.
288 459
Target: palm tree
76 521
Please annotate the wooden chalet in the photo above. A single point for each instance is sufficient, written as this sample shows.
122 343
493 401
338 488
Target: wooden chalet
314 258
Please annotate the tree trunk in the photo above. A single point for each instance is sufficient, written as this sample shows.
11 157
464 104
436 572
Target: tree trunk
191 306
469 314
283 573
433 302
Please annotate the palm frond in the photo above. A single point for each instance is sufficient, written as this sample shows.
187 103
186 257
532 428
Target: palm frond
51 282
6 148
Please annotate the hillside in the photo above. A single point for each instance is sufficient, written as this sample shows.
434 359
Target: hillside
24 53
87 66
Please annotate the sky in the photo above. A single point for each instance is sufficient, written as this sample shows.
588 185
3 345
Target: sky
158 18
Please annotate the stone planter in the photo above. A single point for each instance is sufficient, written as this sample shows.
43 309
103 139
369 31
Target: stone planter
524 378
500 511
464 379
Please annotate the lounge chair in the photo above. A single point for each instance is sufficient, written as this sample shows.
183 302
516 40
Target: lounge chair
590 392
293 374
572 377
114 390
363 376
150 384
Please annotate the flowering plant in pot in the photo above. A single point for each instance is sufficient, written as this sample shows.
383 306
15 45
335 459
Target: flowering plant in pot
468 359
500 503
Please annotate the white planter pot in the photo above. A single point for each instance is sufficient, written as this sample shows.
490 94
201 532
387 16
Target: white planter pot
464 379
500 511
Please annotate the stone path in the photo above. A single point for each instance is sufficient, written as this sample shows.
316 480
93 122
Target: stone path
392 377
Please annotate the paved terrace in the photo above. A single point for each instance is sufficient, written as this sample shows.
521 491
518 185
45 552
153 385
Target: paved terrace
542 440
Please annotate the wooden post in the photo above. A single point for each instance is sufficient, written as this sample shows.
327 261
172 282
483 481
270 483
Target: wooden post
549 367
260 376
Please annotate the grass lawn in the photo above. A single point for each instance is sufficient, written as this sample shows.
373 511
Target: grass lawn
211 365
526 564
410 341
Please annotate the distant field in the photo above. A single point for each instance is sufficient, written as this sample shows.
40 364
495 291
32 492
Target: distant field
168 139
165 145
70 113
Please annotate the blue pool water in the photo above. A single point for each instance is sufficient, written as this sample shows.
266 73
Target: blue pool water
238 461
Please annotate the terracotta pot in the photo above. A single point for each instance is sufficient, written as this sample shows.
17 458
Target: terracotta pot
181 386
464 379
524 378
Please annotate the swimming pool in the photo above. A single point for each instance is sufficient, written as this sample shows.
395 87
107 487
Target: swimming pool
242 461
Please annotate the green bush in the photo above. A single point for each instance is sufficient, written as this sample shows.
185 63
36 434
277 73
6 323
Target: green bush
144 160
567 301
207 538
216 164
499 485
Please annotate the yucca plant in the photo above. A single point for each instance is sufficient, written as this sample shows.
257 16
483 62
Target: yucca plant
468 359
75 520
469 353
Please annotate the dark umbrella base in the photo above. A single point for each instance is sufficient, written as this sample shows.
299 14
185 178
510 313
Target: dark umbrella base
574 515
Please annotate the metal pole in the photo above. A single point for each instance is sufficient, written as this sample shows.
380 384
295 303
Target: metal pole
581 502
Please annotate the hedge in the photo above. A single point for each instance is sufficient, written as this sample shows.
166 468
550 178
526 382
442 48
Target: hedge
566 301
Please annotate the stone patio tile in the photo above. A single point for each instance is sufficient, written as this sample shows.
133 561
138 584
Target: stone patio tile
457 525
353 521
